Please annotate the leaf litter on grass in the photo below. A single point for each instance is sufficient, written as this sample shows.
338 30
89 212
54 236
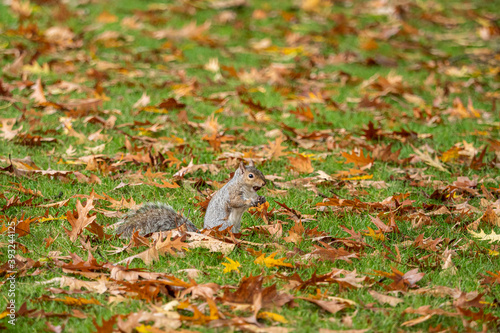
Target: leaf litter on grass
376 124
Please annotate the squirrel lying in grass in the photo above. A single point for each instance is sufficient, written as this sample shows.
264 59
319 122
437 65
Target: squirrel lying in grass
224 210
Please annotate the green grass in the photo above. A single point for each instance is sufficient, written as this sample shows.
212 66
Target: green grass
162 68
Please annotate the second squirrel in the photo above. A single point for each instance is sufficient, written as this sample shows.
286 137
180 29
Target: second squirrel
224 210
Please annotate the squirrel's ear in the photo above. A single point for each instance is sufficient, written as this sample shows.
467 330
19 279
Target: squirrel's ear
251 163
242 167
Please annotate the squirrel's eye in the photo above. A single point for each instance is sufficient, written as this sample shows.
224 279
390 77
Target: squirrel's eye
250 175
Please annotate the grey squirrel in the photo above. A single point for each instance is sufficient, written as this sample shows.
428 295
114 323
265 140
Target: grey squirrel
224 210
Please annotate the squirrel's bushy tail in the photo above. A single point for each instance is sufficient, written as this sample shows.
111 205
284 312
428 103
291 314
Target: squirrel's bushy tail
152 217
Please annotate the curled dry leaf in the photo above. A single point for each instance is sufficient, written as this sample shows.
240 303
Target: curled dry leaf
385 299
197 240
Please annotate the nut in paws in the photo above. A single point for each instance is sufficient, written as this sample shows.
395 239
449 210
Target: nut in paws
260 200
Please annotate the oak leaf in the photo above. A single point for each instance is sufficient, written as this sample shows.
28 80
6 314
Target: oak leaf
80 219
301 164
402 281
493 237
270 261
275 149
358 160
231 266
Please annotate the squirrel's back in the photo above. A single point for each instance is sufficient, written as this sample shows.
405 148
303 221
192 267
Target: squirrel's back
152 217
216 214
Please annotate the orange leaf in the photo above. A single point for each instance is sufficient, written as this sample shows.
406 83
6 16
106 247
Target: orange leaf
301 164
358 160
79 219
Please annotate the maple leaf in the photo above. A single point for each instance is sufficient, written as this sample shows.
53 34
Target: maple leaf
231 266
270 261
79 219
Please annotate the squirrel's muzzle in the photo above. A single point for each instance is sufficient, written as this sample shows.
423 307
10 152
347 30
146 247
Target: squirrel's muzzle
256 188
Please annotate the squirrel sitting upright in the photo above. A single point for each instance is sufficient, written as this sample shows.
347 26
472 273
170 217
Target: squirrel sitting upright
224 210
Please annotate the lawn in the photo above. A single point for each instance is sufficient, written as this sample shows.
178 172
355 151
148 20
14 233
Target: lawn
376 123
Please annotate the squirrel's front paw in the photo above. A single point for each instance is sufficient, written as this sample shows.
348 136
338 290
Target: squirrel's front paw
259 201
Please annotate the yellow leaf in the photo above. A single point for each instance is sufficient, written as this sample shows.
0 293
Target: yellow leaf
270 261
493 237
493 252
359 177
377 236
451 154
4 314
310 5
145 329
107 17
51 218
35 68
232 266
154 109
272 316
